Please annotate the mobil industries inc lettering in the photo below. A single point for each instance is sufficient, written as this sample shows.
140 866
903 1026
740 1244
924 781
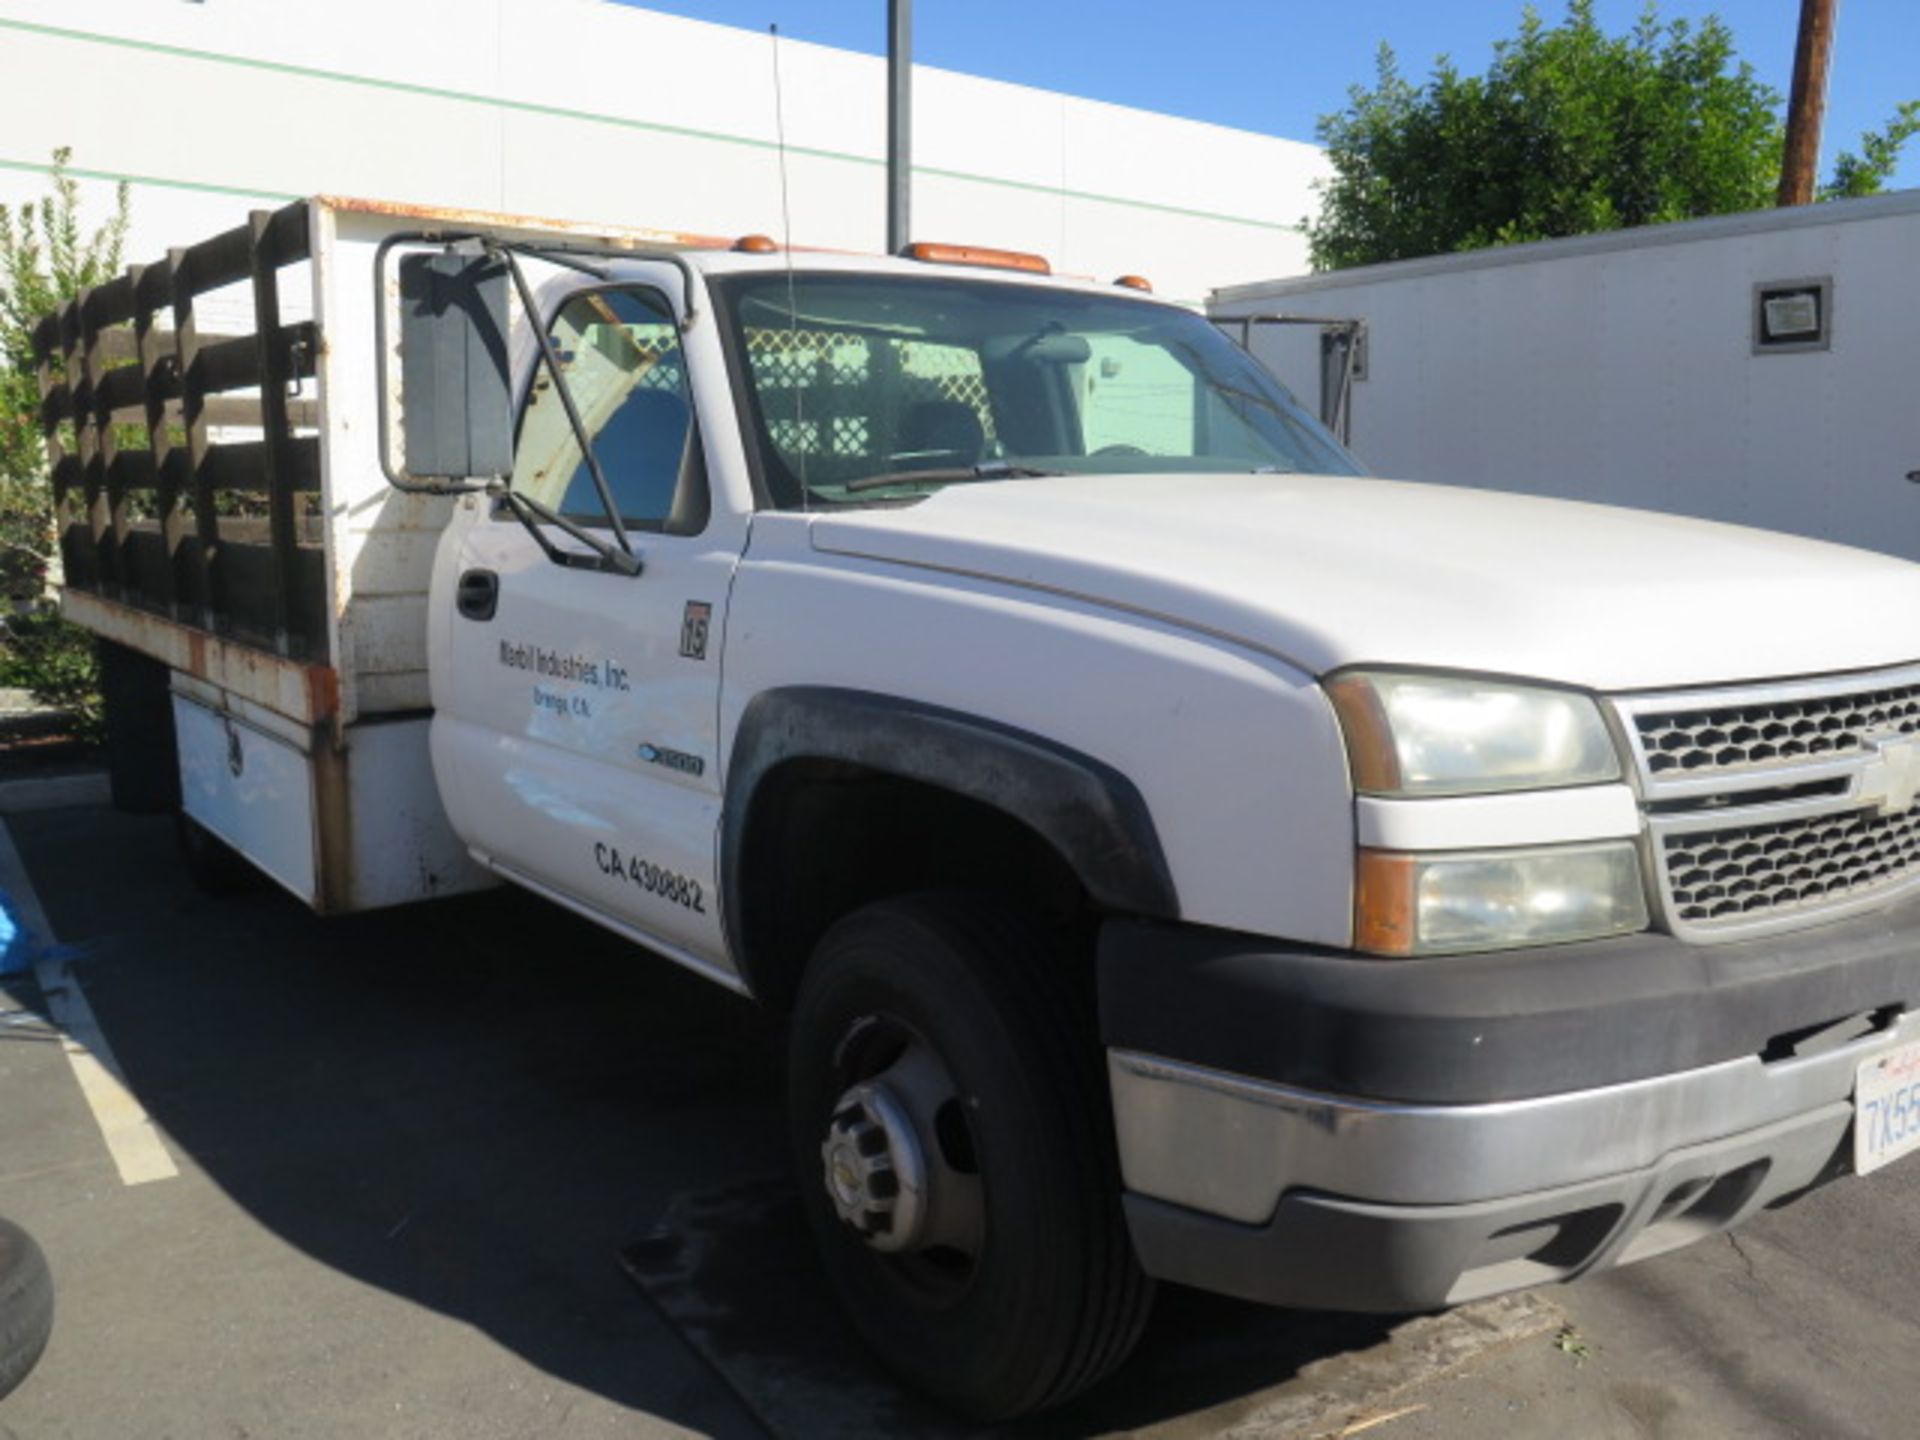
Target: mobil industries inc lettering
563 665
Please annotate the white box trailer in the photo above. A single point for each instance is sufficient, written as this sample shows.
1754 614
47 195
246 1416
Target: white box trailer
1754 368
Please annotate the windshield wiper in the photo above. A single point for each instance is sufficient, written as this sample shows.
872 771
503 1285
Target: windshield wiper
988 470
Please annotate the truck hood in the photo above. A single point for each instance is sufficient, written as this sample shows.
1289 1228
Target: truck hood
1326 571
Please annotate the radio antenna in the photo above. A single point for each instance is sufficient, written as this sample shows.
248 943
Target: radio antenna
786 246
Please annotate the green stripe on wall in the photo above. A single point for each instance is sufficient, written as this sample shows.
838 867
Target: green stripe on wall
42 167
622 122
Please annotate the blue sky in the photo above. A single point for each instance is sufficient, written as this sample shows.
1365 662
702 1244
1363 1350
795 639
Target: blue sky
1276 65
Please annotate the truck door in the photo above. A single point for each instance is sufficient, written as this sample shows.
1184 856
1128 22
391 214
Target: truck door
576 714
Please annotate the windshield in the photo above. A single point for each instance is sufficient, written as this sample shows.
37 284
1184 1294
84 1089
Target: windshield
867 388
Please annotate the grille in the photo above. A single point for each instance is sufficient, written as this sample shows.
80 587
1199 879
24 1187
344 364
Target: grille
1781 731
1787 867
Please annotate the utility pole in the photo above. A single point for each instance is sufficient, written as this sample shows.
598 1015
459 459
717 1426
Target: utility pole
1808 106
899 123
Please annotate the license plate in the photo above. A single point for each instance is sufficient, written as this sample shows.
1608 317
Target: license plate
1886 1108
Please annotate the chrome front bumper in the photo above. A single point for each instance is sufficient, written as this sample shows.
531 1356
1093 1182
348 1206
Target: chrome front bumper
1284 1195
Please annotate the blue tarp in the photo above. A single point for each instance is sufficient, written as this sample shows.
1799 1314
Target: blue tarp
16 941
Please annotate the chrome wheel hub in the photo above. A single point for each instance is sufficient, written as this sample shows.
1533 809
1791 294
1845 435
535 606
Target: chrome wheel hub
898 1160
876 1170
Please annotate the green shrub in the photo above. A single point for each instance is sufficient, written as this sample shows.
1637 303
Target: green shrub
56 663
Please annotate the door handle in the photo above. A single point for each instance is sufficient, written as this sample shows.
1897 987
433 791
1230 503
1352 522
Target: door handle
477 595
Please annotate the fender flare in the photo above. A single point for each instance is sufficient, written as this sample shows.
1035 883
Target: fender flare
1087 810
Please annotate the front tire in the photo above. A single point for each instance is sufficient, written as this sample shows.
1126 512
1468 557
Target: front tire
954 1139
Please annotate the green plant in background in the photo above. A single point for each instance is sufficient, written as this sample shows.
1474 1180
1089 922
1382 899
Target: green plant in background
56 662
1570 131
1868 172
47 255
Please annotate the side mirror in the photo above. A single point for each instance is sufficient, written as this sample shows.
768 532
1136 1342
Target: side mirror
455 396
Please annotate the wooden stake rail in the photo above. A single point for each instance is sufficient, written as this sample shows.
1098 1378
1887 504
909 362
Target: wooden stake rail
144 526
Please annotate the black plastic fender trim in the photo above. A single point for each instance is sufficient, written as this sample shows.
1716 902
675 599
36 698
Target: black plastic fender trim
1087 810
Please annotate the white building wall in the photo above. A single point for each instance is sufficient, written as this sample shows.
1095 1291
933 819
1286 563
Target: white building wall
589 110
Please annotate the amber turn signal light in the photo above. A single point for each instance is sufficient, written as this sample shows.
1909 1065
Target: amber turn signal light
1383 918
1371 754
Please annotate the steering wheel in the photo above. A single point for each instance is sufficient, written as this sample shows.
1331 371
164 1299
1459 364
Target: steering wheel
1117 449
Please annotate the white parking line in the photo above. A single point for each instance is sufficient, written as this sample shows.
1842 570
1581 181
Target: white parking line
132 1139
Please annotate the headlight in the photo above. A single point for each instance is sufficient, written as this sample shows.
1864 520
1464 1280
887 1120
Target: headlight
1490 900
1410 734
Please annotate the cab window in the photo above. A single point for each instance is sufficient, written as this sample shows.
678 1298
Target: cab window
1136 398
879 389
620 352
841 403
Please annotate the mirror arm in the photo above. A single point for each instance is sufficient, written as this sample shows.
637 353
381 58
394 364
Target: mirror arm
679 262
556 257
521 512
532 514
565 392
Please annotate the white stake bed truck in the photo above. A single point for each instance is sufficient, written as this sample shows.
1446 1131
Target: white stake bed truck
1180 855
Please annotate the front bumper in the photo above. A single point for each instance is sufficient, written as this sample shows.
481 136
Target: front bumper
1310 1194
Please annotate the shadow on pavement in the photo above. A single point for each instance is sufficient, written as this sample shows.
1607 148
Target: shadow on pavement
481 1104
734 1270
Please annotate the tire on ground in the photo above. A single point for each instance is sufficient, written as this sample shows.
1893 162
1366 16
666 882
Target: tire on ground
1055 1299
26 1305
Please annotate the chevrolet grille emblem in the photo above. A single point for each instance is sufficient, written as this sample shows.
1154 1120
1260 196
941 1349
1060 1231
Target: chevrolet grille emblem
1891 779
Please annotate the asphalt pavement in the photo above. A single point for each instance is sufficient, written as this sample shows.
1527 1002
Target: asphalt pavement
410 1148
477 1170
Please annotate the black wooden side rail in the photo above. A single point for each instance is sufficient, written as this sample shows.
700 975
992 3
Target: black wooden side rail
144 526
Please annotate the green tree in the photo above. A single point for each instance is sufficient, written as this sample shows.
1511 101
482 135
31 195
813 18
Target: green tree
1571 130
1868 172
47 255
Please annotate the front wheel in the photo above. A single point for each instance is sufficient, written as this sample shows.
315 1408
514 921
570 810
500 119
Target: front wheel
950 1119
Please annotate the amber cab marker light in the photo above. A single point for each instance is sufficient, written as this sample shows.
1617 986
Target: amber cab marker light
755 245
1383 918
1136 282
932 253
1371 754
